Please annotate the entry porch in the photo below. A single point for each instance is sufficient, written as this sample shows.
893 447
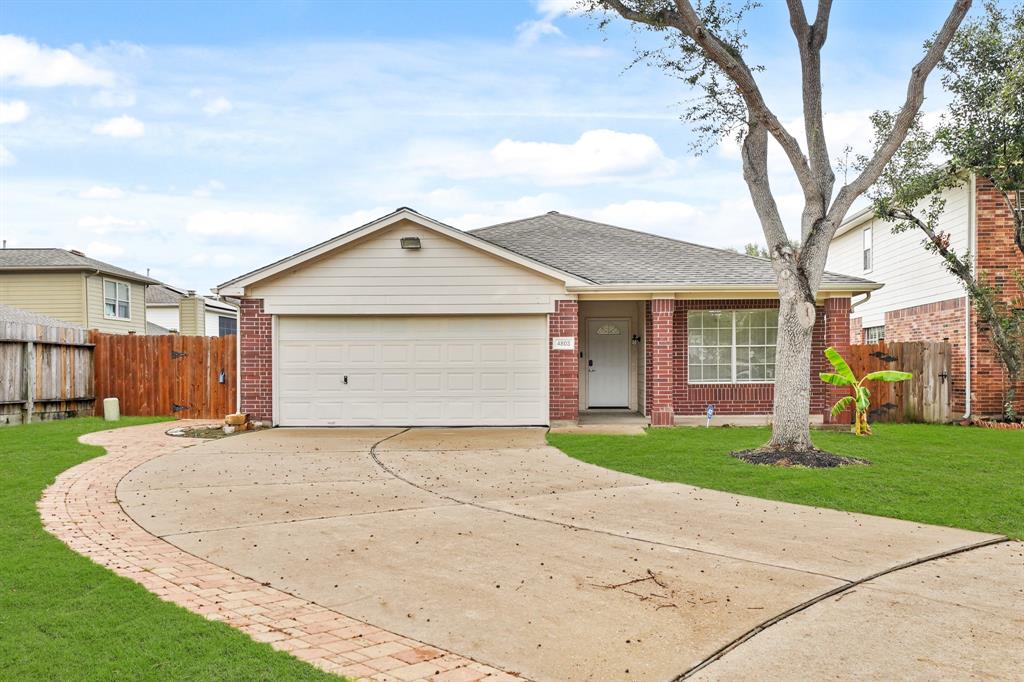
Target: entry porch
668 359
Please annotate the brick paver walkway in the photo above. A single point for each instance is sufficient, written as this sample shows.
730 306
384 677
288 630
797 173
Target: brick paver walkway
81 508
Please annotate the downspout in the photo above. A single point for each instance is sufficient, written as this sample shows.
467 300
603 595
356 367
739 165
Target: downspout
867 297
972 225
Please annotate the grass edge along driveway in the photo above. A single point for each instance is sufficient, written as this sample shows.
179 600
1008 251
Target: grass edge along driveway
63 617
944 475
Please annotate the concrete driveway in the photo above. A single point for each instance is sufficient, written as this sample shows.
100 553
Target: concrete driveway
491 544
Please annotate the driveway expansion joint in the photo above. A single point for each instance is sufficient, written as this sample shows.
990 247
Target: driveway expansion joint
572 526
753 632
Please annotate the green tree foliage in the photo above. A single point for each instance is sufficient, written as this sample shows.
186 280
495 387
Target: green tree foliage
981 133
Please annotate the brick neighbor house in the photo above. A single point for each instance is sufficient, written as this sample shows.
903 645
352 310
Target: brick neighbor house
922 301
408 321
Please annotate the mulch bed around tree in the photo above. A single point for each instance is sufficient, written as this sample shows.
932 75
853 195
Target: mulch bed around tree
814 459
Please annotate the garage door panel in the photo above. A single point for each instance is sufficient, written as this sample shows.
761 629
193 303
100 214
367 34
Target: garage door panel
412 370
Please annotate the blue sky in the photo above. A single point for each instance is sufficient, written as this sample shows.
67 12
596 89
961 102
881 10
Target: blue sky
201 140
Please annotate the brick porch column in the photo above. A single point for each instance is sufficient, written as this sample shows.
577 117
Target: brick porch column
837 335
564 364
661 365
255 366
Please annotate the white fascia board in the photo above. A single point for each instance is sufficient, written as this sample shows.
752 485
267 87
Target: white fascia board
236 287
859 218
723 288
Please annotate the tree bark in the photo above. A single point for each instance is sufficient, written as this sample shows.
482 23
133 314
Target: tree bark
792 404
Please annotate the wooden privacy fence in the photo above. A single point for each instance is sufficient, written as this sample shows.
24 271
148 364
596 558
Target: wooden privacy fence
45 372
925 398
191 377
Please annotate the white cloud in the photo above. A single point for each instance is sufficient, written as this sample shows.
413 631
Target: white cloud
597 156
13 111
101 192
103 250
529 32
642 214
26 63
121 126
7 158
108 223
208 188
271 225
112 99
218 106
208 258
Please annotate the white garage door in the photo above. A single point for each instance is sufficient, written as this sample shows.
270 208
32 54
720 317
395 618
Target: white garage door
412 371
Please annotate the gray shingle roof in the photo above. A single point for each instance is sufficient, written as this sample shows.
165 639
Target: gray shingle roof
62 259
153 329
12 314
606 254
161 294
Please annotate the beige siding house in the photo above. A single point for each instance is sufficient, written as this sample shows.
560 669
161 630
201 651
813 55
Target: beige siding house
72 287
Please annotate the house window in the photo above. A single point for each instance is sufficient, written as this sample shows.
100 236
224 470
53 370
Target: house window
731 346
868 249
117 302
874 334
226 325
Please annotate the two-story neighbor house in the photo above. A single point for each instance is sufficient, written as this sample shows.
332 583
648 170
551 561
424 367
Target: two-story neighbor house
70 286
921 300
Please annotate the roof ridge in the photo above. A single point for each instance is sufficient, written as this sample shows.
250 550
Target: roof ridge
631 230
673 240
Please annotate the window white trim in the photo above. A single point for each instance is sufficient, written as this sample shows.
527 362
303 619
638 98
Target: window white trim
867 248
733 347
127 300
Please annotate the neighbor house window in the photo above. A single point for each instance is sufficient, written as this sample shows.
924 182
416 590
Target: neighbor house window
227 325
117 302
734 346
868 250
874 334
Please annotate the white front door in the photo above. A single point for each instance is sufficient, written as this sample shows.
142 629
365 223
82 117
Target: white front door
607 363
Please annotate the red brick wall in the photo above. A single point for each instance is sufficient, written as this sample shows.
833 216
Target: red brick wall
564 365
662 361
255 364
940 321
837 335
857 330
741 399
998 258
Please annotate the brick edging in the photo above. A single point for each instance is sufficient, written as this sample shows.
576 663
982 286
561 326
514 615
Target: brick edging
81 509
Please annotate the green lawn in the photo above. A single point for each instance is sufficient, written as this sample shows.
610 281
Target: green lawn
63 617
946 475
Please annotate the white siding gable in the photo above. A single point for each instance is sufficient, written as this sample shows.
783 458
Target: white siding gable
911 275
376 276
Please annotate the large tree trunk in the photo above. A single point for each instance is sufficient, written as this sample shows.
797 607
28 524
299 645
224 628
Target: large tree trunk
791 426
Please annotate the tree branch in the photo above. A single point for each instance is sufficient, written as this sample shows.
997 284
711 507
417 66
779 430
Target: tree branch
809 40
912 104
685 20
755 172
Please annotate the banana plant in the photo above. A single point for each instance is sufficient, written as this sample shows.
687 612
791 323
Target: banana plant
861 396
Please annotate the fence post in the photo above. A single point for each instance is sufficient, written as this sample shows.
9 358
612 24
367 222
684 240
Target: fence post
29 366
